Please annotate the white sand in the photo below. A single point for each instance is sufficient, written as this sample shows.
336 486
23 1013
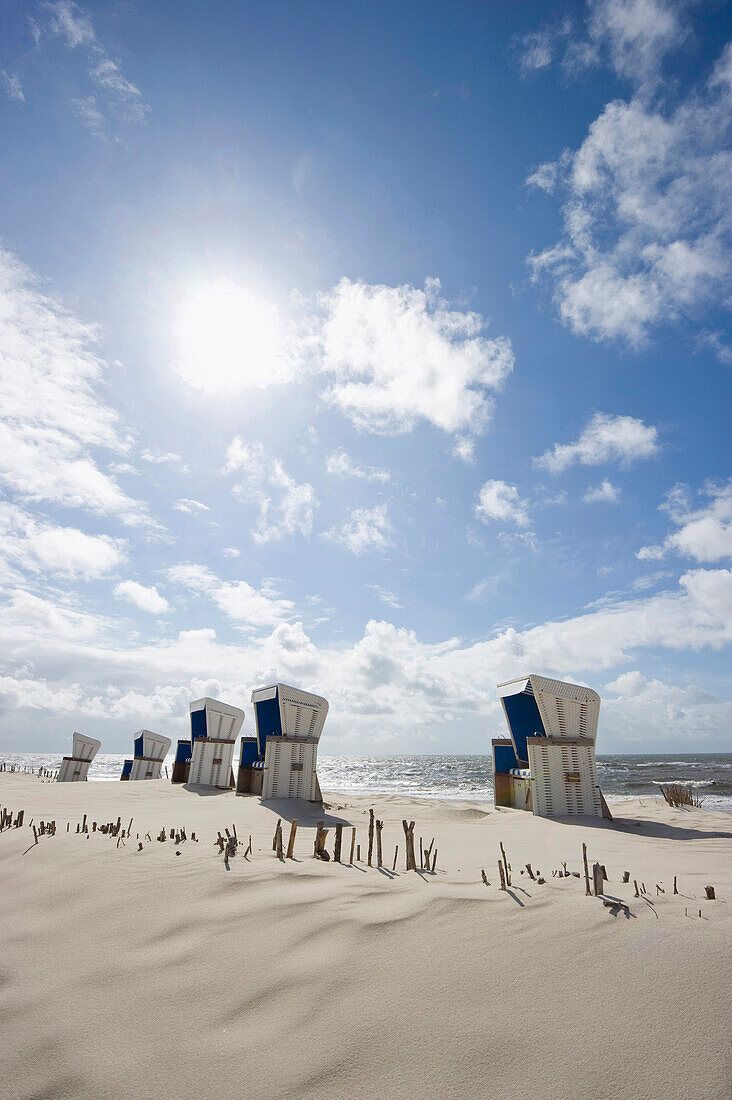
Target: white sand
148 974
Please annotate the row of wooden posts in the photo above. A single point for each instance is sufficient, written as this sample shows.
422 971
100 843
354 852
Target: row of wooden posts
427 855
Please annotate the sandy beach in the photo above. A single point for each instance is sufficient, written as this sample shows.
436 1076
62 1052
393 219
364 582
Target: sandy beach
160 973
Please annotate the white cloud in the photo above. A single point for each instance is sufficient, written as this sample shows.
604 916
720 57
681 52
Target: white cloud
50 416
90 115
497 500
250 608
704 534
285 506
366 530
606 438
69 23
231 552
31 544
646 205
192 507
161 458
638 34
400 355
341 464
539 49
424 689
387 597
145 598
604 493
11 85
464 448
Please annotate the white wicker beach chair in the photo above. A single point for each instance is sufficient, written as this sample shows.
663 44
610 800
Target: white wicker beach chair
214 729
75 768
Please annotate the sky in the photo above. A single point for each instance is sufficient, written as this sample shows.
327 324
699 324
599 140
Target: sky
382 349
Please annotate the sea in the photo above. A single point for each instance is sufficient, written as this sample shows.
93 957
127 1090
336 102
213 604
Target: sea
471 777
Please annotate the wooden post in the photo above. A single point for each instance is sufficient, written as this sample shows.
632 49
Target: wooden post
291 841
338 842
626 876
411 864
505 863
278 840
371 835
396 853
358 853
709 891
588 892
502 874
353 844
485 878
675 890
434 862
379 827
597 879
35 835
637 891
421 855
528 868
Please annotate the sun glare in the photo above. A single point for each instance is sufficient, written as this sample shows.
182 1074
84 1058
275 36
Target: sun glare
229 339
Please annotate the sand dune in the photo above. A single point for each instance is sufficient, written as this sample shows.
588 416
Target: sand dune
152 974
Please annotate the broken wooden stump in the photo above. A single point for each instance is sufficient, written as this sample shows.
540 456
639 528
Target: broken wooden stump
338 843
709 891
485 878
506 868
379 827
626 876
353 844
411 864
502 875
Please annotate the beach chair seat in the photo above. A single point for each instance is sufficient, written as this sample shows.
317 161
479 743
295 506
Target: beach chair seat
215 727
149 752
289 724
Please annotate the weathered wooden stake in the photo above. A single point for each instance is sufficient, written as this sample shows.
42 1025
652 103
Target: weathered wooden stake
434 862
675 890
626 876
358 853
485 878
411 864
338 842
528 868
396 853
421 855
353 844
588 892
502 874
379 827
291 841
371 836
597 879
709 891
505 863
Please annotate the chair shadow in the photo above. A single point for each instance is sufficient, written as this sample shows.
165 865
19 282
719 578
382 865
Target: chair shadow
658 829
205 792
307 814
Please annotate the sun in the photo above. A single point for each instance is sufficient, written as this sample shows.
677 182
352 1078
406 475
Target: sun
229 339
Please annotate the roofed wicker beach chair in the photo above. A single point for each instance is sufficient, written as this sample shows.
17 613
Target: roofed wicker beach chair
547 765
150 749
214 729
75 768
282 761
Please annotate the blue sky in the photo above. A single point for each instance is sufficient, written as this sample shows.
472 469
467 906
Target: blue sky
382 349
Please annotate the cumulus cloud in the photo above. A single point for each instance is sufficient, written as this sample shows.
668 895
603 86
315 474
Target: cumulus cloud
388 686
638 34
400 355
70 24
647 202
143 597
250 608
31 544
51 416
606 438
497 500
342 465
704 533
366 530
285 506
604 493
